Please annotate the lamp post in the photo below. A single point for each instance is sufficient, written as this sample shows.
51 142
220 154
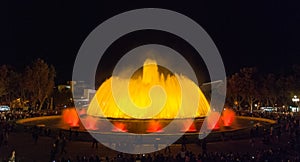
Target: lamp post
296 100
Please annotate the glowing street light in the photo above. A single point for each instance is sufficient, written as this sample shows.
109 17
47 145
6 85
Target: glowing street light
296 100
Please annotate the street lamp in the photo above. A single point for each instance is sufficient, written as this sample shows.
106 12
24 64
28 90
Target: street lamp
296 100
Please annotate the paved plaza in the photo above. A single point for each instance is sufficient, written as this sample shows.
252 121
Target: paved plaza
27 150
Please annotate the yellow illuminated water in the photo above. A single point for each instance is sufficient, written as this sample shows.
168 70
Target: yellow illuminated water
146 94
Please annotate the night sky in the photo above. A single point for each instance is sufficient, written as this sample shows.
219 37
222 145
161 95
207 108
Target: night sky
262 34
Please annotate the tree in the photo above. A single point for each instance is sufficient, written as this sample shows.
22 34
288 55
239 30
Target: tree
269 90
9 84
286 86
14 87
296 77
39 82
62 97
234 89
249 84
3 81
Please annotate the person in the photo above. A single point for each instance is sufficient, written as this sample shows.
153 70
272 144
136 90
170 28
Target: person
278 134
252 142
223 136
70 134
57 141
138 158
76 133
35 134
271 134
53 152
5 141
47 132
1 138
36 137
182 154
12 157
183 143
63 145
256 130
251 133
168 149
204 147
95 143
60 133
265 135
187 158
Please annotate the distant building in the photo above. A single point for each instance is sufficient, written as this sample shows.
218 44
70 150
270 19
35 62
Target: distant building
62 87
89 94
77 88
82 93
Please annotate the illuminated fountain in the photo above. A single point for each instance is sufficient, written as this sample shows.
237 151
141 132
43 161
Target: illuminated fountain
104 103
70 117
119 127
213 121
189 126
228 117
103 107
154 126
180 112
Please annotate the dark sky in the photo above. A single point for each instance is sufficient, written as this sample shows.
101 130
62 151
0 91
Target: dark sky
262 34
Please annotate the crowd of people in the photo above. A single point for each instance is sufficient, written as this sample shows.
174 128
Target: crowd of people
7 119
7 125
187 156
6 116
287 126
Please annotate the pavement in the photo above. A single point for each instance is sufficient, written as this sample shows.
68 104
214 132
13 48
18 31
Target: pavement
27 150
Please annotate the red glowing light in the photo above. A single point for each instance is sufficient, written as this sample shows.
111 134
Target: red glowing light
70 117
189 126
119 127
228 116
90 123
154 126
213 121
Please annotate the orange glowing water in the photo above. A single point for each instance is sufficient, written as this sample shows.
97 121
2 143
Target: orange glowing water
119 127
213 121
154 126
228 117
189 126
90 123
70 117
104 103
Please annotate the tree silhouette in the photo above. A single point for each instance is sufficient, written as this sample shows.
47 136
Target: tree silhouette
250 88
3 81
269 90
39 82
234 90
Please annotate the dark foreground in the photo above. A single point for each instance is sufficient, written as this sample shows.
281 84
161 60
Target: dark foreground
280 145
